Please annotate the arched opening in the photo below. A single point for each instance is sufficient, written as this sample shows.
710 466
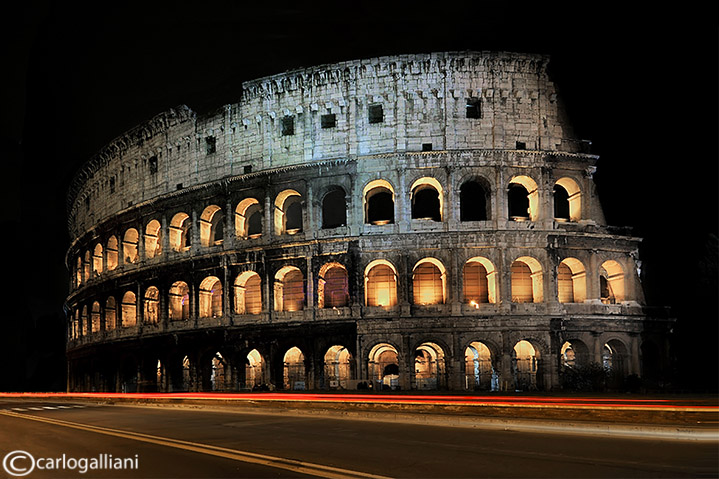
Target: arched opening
289 289
337 367
97 259
212 223
112 253
383 366
87 266
567 200
248 293
426 199
78 271
160 377
129 246
187 377
525 362
110 314
248 219
429 370
85 321
181 232
211 298
479 371
179 301
380 284
575 370
95 317
526 281
254 370
294 369
334 208
218 378
614 360
152 305
332 286
288 212
473 201
428 282
128 318
571 281
611 282
479 280
153 239
378 202
522 199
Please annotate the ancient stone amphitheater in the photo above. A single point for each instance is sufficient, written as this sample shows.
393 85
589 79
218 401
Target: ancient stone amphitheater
418 222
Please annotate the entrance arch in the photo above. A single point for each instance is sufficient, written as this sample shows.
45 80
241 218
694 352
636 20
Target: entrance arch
383 366
429 367
479 371
338 367
525 365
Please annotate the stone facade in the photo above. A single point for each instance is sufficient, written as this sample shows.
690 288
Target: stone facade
414 222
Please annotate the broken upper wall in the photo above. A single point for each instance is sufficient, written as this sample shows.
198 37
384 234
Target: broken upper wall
438 101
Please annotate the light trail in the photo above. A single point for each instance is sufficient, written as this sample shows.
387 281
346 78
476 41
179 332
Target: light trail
439 400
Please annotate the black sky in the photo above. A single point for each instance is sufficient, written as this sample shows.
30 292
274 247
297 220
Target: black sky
640 84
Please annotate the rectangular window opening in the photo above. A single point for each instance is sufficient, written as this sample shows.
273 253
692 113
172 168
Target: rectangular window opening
426 146
288 126
152 163
328 121
376 114
474 107
210 144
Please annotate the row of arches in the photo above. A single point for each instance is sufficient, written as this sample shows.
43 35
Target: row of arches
483 367
426 200
480 285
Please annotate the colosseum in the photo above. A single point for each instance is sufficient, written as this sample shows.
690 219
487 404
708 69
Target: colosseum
413 222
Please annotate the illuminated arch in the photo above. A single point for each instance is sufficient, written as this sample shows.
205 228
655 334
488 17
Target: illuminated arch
212 222
525 365
218 375
289 289
612 284
332 286
571 281
479 281
97 259
429 280
383 366
210 298
130 242
294 369
153 239
248 293
180 232
85 322
338 367
380 281
255 372
429 367
151 305
110 314
527 280
112 253
523 199
248 219
567 200
128 308
478 368
87 266
288 212
179 301
378 198
95 317
427 199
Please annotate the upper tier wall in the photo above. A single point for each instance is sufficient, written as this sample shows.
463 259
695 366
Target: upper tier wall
323 112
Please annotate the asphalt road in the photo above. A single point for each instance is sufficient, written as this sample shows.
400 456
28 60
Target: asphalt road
172 442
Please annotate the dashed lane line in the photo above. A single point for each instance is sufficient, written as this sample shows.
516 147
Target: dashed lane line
309 468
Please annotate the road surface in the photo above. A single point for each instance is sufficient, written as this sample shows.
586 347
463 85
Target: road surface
187 442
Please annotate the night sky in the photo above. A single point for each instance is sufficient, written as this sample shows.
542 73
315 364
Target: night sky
641 85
